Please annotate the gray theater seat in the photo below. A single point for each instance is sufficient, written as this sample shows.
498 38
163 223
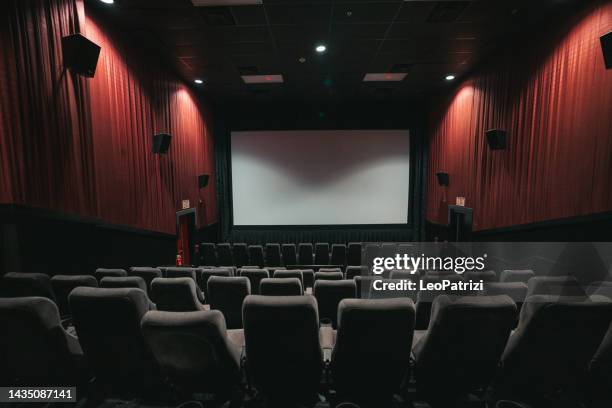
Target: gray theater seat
309 279
554 343
62 286
281 287
124 282
107 322
321 253
185 272
338 254
226 294
328 276
461 349
256 255
352 271
305 253
175 295
330 270
554 285
516 275
104 272
146 273
208 254
372 337
273 255
36 350
205 274
329 293
284 356
255 277
517 291
354 254
289 254
201 358
291 273
486 276
241 254
224 254
18 284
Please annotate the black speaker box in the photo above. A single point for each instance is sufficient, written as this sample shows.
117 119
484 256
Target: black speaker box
442 178
203 180
496 138
161 142
80 55
606 47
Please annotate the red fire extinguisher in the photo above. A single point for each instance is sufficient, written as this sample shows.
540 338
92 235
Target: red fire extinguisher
179 260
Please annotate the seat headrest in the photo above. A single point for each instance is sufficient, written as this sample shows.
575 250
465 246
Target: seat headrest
263 305
40 309
20 284
362 309
254 272
336 286
123 282
146 270
102 298
281 287
329 276
230 282
80 280
184 320
111 272
554 285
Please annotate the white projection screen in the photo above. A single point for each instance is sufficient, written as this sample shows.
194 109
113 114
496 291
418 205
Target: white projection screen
320 177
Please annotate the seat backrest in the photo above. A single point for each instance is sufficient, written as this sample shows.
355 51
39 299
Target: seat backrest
35 347
464 342
107 322
255 276
17 284
516 275
554 285
175 294
284 357
201 358
517 291
308 275
208 254
328 276
62 286
205 274
354 254
352 271
224 254
273 255
338 254
104 272
291 273
256 255
289 254
227 294
124 282
555 340
330 270
329 293
382 327
321 253
281 287
486 276
364 285
241 254
305 253
181 272
146 273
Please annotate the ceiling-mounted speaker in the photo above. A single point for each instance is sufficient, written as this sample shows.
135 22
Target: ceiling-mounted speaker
80 55
496 139
443 178
606 47
203 180
161 142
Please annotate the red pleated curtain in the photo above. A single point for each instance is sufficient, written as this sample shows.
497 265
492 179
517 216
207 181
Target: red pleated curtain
554 98
83 146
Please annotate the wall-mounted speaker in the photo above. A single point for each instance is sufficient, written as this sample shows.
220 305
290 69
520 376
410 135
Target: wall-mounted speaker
161 142
606 47
80 55
496 139
203 180
442 178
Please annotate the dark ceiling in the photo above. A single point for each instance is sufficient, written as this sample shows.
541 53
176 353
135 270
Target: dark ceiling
426 39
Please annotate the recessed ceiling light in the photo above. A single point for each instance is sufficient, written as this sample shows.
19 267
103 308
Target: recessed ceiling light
385 77
302 60
263 79
198 81
320 48
450 77
107 1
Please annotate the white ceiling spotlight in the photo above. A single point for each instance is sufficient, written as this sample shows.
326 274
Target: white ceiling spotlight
198 81
450 77
321 48
108 1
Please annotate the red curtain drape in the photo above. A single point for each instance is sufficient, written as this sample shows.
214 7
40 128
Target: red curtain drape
83 146
554 98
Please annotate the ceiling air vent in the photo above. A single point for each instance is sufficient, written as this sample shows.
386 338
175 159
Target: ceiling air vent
447 11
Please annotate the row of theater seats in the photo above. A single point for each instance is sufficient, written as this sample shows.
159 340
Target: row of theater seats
239 254
561 343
